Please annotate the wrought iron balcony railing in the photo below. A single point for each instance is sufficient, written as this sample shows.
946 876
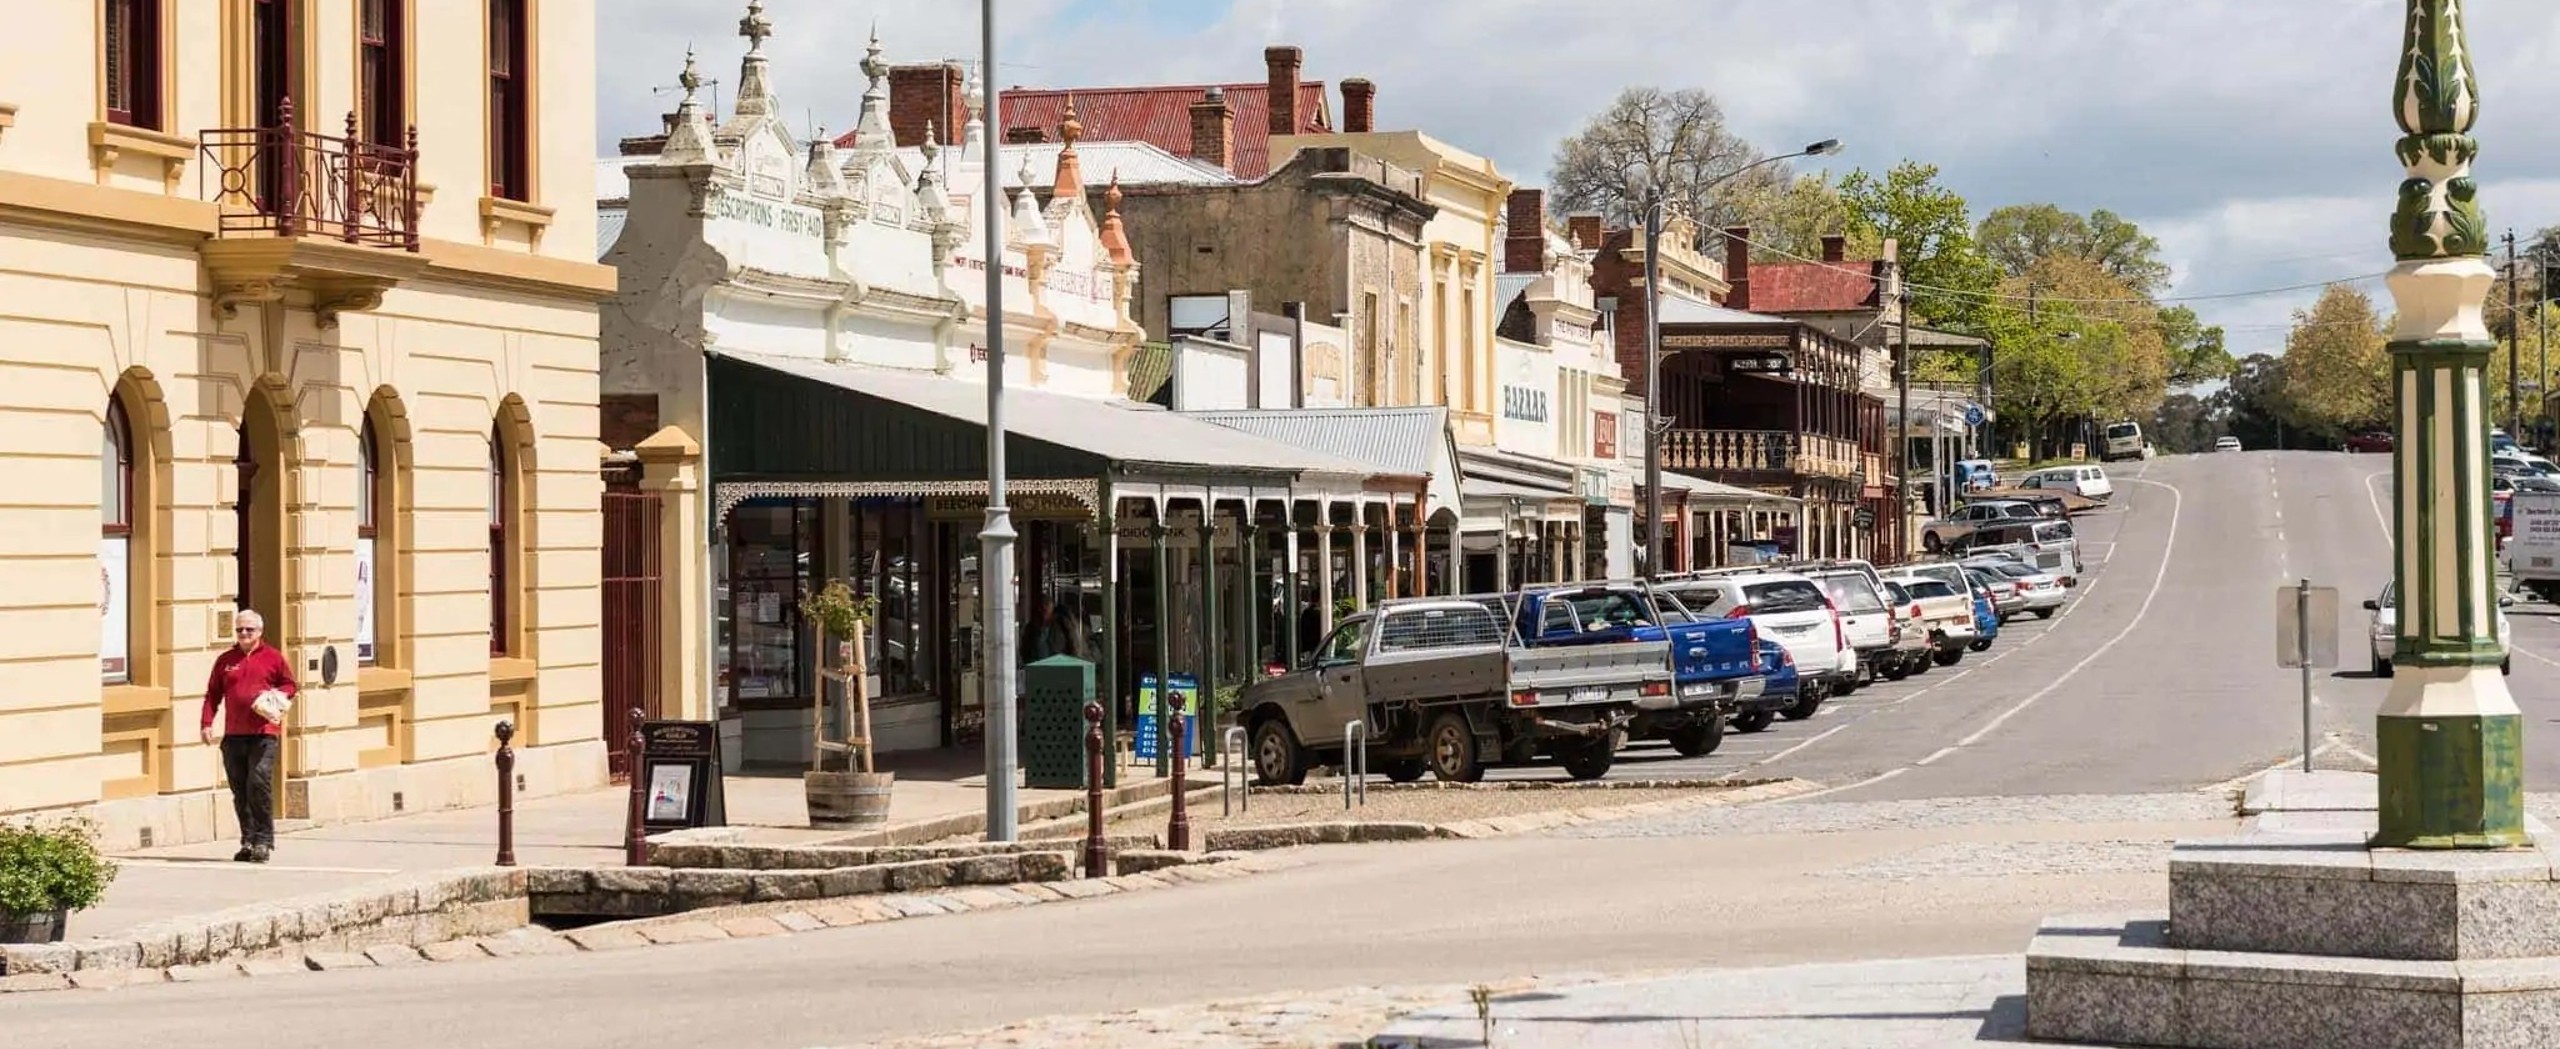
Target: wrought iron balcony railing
1760 451
284 181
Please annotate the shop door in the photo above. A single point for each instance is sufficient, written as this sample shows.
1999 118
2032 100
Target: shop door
631 595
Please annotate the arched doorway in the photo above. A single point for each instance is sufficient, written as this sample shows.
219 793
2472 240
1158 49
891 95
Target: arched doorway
259 563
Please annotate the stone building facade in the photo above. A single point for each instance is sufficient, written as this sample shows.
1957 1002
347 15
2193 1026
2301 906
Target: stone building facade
318 340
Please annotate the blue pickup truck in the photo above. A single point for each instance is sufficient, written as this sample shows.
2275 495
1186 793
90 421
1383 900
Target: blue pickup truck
1715 670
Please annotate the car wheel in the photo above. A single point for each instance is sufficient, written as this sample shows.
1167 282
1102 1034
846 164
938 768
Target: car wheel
1920 664
1753 721
1846 685
1980 644
1590 759
2507 665
1278 760
1947 657
1804 706
1453 756
1698 740
1406 770
2045 613
2381 667
1894 669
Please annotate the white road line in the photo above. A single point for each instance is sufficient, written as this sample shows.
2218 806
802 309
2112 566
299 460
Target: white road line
1932 759
1801 746
1867 782
2177 509
2374 497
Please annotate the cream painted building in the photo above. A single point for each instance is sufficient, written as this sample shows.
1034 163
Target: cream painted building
1462 251
297 312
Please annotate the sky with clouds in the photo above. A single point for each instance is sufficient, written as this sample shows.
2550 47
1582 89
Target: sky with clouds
2253 137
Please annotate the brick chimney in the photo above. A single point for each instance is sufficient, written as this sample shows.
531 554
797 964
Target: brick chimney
1359 105
1284 63
1524 250
918 94
1835 248
1213 130
1586 230
1737 266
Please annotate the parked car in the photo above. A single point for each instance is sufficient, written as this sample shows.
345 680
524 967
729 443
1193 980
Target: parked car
1944 532
1787 608
2226 443
2500 441
2124 440
1864 616
2039 594
2371 441
2385 629
2523 462
2088 482
2007 601
1912 648
1971 474
1946 605
2534 484
1713 662
2051 546
1781 690
1440 688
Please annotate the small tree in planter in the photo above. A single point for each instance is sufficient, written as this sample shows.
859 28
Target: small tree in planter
854 795
46 872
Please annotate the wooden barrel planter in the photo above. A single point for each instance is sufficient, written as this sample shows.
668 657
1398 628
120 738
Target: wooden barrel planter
849 799
38 927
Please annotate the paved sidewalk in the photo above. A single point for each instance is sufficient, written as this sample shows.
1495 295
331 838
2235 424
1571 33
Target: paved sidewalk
1919 1004
583 828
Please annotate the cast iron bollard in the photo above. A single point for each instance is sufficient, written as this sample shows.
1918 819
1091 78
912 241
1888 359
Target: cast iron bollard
506 794
1097 852
1177 834
635 835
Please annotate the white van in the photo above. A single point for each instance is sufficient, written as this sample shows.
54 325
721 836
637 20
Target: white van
2088 482
2124 441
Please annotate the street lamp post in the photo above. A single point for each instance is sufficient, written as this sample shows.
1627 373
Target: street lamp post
995 560
2450 736
1654 426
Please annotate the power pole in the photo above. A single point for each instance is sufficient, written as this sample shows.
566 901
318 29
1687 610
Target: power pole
2542 347
2515 330
1902 426
1652 380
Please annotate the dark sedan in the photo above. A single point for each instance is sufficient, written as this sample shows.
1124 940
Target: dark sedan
2372 441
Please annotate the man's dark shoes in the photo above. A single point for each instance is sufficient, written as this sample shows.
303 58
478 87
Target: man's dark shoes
262 854
245 855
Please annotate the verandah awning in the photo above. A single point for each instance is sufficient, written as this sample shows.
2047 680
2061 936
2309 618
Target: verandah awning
787 425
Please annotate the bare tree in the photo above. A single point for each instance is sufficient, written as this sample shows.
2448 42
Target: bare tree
1677 140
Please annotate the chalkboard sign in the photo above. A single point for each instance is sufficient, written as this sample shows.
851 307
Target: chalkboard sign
681 770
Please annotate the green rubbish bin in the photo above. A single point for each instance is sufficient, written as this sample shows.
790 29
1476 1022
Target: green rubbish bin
1055 691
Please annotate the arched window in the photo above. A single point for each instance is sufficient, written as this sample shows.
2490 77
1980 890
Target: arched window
368 571
115 548
501 514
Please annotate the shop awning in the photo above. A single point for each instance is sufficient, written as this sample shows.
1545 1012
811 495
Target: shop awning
787 419
1703 492
1405 442
1498 487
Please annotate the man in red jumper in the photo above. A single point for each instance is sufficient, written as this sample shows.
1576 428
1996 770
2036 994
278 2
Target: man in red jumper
243 672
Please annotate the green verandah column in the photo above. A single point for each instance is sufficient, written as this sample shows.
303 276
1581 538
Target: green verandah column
2452 740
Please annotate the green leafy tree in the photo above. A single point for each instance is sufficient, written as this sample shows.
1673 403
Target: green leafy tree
2016 237
2251 407
2196 352
1934 234
2337 373
1791 218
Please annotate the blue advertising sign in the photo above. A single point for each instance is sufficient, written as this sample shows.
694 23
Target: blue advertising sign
1150 727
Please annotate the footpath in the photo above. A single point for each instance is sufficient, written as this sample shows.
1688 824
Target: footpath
939 795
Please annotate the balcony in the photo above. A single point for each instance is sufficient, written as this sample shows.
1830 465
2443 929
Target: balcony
1760 451
331 216
1877 474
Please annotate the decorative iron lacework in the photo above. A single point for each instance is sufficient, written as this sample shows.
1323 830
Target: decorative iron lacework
726 497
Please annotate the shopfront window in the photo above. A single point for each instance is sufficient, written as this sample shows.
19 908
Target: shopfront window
772 546
889 541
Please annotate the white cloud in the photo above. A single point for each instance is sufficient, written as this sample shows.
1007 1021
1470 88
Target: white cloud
2253 137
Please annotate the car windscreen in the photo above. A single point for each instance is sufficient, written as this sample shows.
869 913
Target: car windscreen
1784 595
1850 592
1928 588
2013 571
2053 531
1407 631
2123 430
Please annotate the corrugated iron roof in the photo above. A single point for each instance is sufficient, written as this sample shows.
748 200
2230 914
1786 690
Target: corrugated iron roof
1162 115
1811 287
1119 431
1410 442
1721 492
1138 164
609 223
1678 309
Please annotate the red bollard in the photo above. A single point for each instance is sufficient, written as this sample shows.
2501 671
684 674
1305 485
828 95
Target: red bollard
1097 852
506 794
635 835
1177 834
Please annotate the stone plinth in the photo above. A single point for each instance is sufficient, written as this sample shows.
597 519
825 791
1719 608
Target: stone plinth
2326 894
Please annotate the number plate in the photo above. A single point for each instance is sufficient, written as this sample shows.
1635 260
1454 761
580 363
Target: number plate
2542 562
1702 688
1590 695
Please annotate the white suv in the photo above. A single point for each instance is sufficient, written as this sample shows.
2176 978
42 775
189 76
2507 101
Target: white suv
1789 609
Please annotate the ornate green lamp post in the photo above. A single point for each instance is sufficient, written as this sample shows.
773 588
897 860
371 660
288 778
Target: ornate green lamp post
2452 740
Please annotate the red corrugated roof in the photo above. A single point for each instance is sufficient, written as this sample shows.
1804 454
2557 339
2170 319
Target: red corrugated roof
1807 287
1162 115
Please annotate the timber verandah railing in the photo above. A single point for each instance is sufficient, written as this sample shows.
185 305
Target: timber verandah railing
289 182
1760 451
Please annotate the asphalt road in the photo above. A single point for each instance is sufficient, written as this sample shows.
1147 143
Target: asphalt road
2159 680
